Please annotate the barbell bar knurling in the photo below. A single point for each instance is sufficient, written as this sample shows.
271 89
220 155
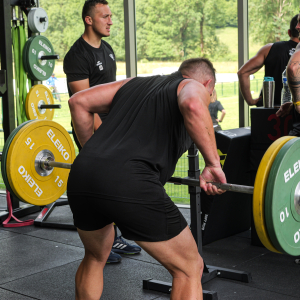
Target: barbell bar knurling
224 186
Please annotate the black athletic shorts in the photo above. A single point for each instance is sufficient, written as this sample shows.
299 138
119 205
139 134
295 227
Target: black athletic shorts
149 221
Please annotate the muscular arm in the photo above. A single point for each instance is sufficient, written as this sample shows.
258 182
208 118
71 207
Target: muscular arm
80 85
249 68
293 77
193 101
84 104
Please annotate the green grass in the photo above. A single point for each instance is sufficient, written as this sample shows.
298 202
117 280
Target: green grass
229 36
62 115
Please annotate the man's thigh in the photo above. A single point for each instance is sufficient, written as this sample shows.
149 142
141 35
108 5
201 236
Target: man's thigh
178 253
98 243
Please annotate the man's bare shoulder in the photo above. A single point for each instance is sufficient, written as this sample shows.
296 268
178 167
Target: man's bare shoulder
264 51
190 84
124 81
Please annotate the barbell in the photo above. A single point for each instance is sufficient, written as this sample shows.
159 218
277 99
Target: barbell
38 155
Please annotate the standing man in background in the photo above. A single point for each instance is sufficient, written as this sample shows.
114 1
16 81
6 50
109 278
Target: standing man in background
275 58
214 107
89 62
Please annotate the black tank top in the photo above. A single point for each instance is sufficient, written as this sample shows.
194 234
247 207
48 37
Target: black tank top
136 149
275 63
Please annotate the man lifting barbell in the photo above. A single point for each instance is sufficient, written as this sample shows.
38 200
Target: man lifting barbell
123 166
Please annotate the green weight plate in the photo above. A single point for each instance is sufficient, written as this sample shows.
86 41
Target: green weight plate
30 74
259 192
4 156
282 200
25 57
40 69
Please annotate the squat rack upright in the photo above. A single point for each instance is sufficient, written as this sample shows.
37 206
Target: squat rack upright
7 91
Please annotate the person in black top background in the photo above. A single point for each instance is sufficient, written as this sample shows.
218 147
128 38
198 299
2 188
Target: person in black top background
275 58
89 62
214 107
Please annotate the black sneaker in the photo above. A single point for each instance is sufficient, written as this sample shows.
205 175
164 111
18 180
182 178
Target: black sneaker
113 258
121 246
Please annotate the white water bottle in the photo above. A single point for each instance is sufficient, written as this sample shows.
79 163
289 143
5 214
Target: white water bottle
285 92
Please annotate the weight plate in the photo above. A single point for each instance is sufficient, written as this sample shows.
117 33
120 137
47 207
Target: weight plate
28 181
38 95
282 199
37 68
37 20
4 156
25 57
260 184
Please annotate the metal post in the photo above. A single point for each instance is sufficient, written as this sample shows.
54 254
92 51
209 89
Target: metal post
194 192
8 110
7 94
130 38
243 53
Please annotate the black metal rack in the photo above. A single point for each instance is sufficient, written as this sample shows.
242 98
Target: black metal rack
46 212
7 92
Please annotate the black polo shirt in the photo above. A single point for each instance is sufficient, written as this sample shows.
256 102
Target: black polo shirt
84 61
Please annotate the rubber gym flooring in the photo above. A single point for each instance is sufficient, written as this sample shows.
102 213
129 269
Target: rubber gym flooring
40 263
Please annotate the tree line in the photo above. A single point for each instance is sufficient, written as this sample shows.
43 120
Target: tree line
173 29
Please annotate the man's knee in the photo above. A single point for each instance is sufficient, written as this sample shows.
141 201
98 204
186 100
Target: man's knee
191 268
198 265
96 257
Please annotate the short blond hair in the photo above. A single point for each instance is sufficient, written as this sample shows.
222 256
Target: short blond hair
213 96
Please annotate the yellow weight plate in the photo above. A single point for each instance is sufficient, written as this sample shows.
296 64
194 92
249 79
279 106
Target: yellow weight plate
260 185
28 180
39 94
27 104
